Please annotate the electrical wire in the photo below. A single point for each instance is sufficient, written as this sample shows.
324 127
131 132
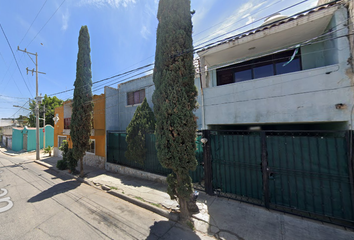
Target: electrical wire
46 23
32 22
15 59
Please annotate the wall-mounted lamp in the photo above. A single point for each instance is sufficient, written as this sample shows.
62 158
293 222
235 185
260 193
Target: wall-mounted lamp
204 141
56 118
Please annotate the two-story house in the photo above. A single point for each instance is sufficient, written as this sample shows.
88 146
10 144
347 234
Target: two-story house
292 72
95 155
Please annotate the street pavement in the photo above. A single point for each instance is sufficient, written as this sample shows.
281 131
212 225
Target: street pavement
218 217
37 202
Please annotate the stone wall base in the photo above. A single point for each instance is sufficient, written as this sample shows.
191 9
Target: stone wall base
134 173
94 161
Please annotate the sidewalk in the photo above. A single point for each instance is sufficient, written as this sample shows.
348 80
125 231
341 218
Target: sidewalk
218 217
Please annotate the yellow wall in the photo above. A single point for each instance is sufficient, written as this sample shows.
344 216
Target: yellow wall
98 124
59 127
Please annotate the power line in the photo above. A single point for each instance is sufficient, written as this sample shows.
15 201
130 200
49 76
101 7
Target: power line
15 59
46 23
19 109
11 97
108 78
196 48
32 22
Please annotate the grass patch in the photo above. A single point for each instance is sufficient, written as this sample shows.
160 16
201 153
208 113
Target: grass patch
156 205
113 188
141 199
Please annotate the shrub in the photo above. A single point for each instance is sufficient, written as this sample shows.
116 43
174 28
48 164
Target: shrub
142 122
62 165
68 156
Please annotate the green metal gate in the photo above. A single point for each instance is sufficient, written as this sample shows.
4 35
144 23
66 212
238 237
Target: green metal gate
303 173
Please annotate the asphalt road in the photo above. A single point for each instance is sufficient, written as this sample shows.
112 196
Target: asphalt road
38 203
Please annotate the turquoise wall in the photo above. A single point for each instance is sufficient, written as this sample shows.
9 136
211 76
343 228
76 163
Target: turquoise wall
49 136
17 140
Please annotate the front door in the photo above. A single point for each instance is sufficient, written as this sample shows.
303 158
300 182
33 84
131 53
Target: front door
24 147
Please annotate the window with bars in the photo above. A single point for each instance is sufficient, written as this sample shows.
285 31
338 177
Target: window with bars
91 146
67 122
275 64
135 97
60 140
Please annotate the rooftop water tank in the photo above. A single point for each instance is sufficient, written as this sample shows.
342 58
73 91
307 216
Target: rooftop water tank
273 18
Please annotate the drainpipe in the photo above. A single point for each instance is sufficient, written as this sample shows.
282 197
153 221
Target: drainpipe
201 90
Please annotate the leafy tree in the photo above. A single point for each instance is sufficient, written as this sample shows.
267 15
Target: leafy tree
22 120
50 104
143 122
175 98
81 118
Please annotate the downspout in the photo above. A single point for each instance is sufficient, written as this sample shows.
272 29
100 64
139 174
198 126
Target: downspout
201 90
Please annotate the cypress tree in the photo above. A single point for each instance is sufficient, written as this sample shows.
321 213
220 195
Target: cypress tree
81 118
142 122
174 98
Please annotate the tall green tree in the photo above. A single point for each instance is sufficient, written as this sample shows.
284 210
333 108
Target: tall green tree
174 98
142 122
81 118
50 104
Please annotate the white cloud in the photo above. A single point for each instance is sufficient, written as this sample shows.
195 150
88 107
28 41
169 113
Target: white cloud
250 20
247 15
145 32
109 3
65 18
235 20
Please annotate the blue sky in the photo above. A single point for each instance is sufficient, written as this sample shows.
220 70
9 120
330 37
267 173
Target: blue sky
123 37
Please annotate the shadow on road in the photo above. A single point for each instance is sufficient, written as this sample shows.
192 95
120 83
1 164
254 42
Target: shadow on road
171 231
55 190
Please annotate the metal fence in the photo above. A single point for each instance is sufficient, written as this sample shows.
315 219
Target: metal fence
117 146
303 173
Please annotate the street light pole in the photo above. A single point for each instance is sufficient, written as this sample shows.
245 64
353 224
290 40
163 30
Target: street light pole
38 98
43 126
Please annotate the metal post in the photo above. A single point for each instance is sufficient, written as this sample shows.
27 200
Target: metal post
43 126
265 170
37 107
37 112
208 171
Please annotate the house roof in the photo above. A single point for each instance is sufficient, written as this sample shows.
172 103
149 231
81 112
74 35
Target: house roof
302 15
5 123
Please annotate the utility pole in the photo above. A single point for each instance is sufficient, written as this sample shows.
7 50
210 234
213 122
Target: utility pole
38 99
43 126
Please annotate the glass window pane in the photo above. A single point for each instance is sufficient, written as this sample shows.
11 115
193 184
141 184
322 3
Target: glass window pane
142 95
225 77
243 75
136 97
263 71
293 66
130 99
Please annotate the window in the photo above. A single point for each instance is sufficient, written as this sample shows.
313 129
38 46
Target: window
67 123
135 97
60 140
91 148
270 65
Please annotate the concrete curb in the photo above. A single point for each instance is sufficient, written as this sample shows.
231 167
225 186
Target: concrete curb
171 216
45 164
147 206
14 154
